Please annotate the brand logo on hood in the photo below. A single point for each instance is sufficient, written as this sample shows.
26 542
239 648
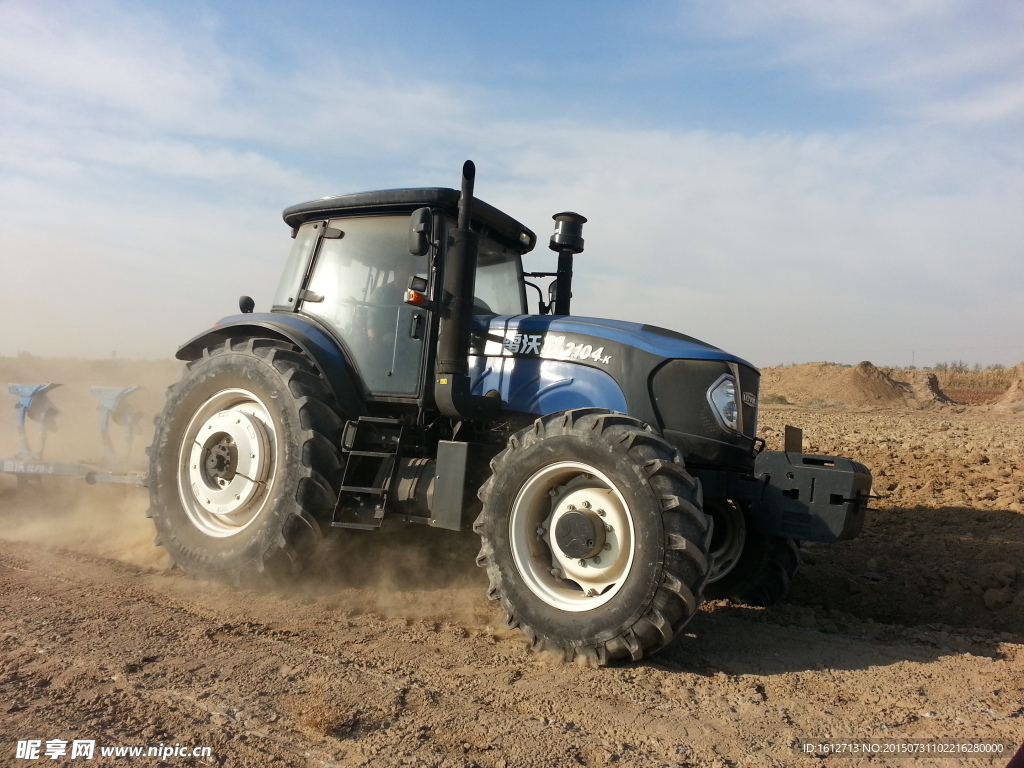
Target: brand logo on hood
546 345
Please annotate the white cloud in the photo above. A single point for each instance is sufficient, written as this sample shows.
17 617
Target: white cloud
145 169
737 238
943 60
134 65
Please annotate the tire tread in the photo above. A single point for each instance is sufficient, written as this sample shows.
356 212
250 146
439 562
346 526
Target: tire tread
299 534
687 533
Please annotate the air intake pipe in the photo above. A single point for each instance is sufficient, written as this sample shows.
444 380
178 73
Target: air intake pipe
566 242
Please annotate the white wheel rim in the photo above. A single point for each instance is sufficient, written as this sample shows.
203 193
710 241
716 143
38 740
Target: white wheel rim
227 462
563 582
727 539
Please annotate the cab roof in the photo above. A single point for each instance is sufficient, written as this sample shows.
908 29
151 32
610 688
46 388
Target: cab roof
405 201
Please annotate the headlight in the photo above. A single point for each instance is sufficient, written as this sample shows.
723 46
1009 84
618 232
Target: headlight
722 396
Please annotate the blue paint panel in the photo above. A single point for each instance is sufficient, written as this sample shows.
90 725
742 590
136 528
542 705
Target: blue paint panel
618 331
322 346
533 385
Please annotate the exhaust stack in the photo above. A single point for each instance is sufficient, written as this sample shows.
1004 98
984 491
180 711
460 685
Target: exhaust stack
451 379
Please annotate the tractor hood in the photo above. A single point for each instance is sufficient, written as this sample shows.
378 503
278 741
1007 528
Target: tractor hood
663 377
567 338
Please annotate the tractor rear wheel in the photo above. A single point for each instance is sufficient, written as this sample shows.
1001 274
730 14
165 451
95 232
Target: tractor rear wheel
244 466
749 567
593 536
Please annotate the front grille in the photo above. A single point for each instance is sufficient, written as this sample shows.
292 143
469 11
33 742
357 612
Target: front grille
679 389
750 382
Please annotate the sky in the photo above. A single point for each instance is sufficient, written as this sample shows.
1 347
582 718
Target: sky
791 181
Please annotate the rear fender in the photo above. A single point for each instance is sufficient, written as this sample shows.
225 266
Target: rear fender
320 347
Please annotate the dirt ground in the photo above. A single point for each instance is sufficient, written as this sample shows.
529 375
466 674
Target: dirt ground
389 653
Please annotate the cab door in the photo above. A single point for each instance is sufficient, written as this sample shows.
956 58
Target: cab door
356 286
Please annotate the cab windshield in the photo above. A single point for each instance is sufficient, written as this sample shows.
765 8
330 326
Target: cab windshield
499 279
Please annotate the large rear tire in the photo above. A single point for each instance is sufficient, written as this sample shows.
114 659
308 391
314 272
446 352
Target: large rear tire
244 467
749 567
593 536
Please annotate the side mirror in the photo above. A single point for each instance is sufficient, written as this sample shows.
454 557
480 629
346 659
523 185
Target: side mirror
553 297
246 304
419 231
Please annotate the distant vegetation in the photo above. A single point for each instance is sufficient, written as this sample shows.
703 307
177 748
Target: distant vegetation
958 374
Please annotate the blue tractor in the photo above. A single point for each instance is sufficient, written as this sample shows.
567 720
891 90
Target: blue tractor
612 470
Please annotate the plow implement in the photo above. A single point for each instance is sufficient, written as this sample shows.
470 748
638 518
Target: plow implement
35 408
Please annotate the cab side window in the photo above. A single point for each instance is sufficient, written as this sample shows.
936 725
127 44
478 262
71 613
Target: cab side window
362 277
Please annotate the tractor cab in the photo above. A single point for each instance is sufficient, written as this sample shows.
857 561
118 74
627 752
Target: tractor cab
350 267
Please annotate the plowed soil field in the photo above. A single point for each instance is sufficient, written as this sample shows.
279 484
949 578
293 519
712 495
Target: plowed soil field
389 653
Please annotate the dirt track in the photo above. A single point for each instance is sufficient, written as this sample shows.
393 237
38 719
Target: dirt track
913 631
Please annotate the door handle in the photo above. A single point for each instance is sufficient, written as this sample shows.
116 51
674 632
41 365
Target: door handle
416 327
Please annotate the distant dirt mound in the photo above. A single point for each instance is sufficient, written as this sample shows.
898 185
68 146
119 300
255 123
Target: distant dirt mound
1014 396
924 387
859 385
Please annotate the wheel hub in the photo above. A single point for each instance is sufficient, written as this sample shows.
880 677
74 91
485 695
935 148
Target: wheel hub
227 462
223 460
572 536
579 533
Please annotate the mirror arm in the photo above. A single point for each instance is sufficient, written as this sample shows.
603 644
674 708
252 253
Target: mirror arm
542 308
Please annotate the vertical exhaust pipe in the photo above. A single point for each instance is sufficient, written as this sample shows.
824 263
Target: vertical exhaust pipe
459 284
451 379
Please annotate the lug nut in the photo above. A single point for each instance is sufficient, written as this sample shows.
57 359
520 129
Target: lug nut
608 528
570 507
556 572
607 547
582 563
601 512
597 559
585 505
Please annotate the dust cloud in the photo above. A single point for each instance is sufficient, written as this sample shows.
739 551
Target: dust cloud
406 571
65 512
939 465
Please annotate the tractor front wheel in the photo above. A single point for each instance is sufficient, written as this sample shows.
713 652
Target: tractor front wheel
593 536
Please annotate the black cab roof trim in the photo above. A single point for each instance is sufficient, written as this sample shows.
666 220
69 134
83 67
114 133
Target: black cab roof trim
406 201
